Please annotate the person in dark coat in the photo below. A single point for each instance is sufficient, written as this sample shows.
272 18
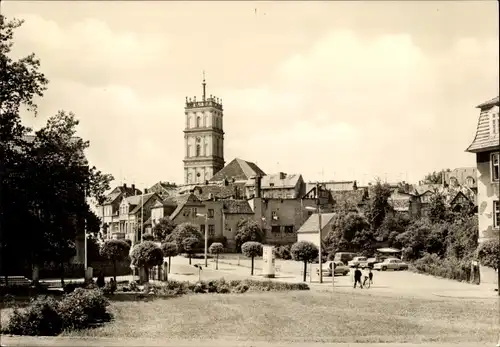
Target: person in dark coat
100 280
357 277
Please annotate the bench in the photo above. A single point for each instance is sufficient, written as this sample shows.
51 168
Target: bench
15 281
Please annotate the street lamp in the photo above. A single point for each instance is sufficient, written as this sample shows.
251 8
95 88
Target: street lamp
318 211
206 235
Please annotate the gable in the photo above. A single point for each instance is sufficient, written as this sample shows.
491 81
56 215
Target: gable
238 170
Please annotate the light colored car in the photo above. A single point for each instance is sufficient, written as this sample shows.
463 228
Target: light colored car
368 263
391 264
340 269
356 261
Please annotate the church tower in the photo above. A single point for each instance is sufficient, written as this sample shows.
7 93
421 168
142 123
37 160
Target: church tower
203 138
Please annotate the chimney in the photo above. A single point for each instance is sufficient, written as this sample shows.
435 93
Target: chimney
133 188
258 180
355 186
125 185
145 190
282 175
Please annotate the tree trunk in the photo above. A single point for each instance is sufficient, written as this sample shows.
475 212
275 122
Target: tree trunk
217 262
251 273
305 270
169 262
189 258
114 270
166 272
146 274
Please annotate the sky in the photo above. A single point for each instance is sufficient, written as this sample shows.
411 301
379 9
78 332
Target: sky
331 90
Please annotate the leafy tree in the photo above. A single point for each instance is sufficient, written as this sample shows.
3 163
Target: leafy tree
247 230
216 248
115 250
461 240
148 237
169 250
392 226
350 232
164 228
189 244
488 253
437 208
304 251
251 249
48 206
435 177
378 205
129 242
182 232
146 255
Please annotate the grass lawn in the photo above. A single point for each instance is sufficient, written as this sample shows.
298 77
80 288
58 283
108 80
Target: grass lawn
302 317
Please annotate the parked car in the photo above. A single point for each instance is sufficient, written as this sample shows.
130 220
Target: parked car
369 263
356 261
340 269
344 257
391 264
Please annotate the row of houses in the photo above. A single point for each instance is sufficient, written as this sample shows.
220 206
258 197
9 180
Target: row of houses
281 203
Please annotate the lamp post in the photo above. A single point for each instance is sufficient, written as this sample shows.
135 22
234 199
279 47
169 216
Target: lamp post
318 211
142 215
206 235
85 233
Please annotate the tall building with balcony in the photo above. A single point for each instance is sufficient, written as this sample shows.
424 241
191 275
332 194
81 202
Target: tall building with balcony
203 138
486 147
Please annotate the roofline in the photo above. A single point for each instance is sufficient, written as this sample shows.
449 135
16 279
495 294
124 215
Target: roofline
493 102
482 149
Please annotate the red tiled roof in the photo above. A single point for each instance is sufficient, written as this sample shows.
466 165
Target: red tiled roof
237 207
312 223
239 170
203 192
349 199
275 181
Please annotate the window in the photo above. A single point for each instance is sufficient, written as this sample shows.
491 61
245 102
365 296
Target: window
289 229
496 214
198 122
469 181
494 166
210 213
198 150
202 228
274 215
211 230
195 211
275 229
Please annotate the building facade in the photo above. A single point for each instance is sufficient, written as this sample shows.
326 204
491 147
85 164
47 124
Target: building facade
486 147
203 138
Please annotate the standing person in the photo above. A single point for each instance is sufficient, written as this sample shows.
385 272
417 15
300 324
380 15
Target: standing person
357 277
100 280
370 275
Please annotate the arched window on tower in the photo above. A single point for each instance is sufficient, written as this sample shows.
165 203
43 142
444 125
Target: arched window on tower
198 150
198 122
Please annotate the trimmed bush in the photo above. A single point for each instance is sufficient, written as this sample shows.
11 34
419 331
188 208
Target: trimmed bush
283 252
41 318
251 249
452 268
304 251
222 287
46 316
83 309
216 248
146 255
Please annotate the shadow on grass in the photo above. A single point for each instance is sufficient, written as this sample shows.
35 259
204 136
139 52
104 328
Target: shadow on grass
137 296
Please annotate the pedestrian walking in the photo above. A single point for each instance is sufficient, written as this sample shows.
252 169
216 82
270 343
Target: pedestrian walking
357 277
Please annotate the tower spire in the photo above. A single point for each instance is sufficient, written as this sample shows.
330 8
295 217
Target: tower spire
204 86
